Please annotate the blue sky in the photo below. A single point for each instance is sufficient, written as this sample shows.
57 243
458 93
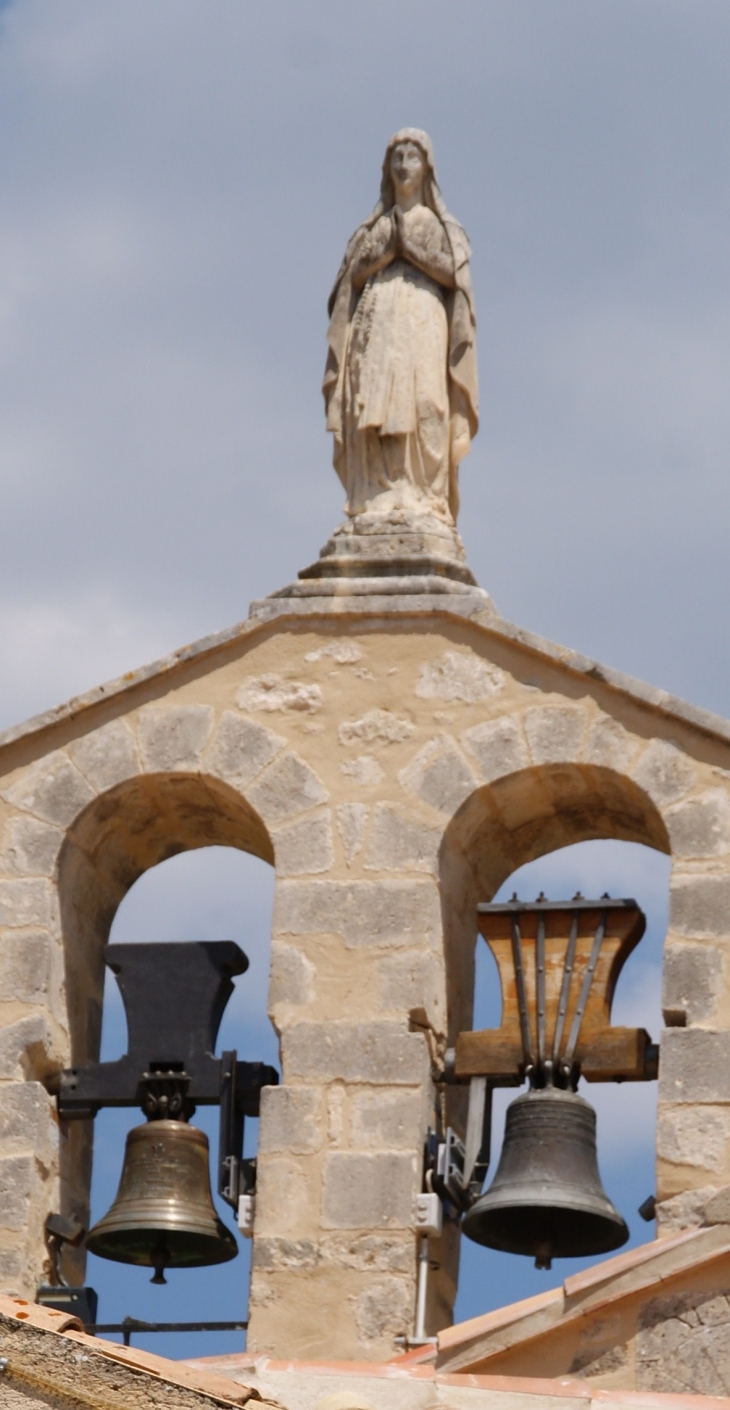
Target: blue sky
177 184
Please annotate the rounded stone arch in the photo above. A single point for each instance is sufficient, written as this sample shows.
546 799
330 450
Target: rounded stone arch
124 831
513 820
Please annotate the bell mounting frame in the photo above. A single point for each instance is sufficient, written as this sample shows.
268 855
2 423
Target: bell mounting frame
174 997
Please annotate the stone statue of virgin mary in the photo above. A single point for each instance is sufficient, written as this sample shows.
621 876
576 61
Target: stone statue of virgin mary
400 384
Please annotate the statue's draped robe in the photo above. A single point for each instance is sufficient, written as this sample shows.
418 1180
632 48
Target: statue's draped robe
401 382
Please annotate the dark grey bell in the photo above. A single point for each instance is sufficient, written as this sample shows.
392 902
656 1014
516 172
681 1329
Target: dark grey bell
546 1199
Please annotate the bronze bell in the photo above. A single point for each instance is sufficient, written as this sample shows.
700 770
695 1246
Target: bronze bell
546 1199
163 1214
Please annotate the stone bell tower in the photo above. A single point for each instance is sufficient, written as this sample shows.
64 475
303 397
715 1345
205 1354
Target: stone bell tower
394 749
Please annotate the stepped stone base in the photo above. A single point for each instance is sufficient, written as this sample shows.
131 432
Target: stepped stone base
401 553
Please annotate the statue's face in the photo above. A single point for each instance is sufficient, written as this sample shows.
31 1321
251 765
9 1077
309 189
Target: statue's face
407 168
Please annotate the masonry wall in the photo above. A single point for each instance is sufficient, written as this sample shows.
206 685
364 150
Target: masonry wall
395 769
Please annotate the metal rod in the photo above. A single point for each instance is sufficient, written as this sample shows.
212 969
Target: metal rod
540 986
420 1332
132 1324
474 1126
521 993
585 989
565 987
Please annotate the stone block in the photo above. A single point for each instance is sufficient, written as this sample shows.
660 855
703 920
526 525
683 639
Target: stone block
439 775
288 787
664 772
555 733
107 756
17 1177
682 1211
608 745
273 693
29 847
270 1255
366 914
497 746
694 1066
24 1044
683 1343
25 903
694 1136
401 843
411 979
25 966
304 847
390 1252
369 1191
13 1277
291 1120
284 1203
351 823
700 827
363 770
241 748
26 1120
291 975
700 905
173 736
388 1120
380 1052
691 982
717 1206
383 1311
53 789
459 675
376 727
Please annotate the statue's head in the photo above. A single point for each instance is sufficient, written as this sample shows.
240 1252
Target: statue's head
408 163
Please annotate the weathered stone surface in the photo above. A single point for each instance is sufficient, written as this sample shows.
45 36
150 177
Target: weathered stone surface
694 1137
106 756
368 1191
683 1344
269 1255
695 1066
173 736
458 675
285 1200
717 1207
692 982
700 827
555 732
25 964
291 975
682 1211
25 903
288 787
272 692
609 745
439 775
401 843
345 653
410 979
384 1311
700 905
380 1052
25 1118
376 727
53 789
364 770
497 746
241 748
387 1121
663 772
378 914
304 847
30 847
351 822
591 1363
16 1187
291 1120
24 1046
